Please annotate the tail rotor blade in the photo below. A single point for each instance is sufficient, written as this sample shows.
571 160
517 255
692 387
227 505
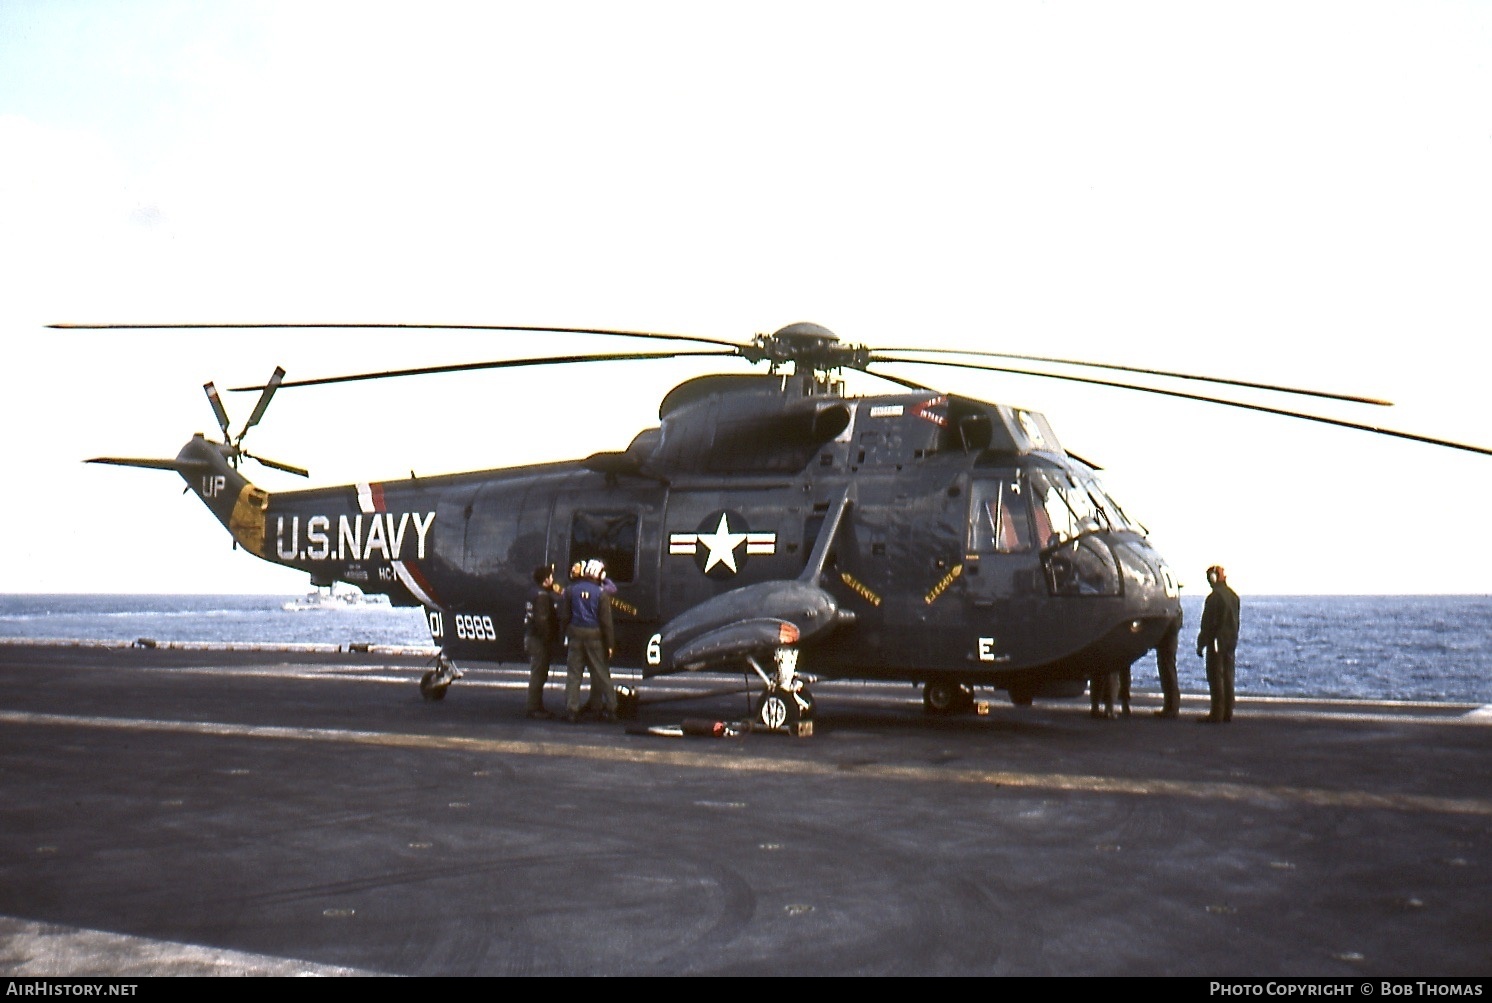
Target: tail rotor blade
217 407
277 465
264 399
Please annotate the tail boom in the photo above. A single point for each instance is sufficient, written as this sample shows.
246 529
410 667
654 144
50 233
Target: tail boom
237 503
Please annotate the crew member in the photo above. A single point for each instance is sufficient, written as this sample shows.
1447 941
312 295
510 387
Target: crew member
595 569
585 613
540 636
1103 687
1165 667
1217 640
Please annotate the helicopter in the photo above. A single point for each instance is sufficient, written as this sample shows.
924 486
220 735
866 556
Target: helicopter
770 525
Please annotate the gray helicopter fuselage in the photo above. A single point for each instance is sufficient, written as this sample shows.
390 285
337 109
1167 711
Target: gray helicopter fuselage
972 548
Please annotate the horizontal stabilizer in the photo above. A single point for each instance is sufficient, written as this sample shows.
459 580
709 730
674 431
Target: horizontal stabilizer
177 465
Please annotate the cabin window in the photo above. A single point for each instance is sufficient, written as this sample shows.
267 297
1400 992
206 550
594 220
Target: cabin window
999 518
609 536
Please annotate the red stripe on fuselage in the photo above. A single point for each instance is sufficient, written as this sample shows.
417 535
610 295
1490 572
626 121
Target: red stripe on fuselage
424 583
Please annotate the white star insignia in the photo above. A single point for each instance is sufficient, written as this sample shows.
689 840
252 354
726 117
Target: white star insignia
722 544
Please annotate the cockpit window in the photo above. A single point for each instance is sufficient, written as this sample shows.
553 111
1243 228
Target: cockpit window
1109 507
1083 568
1039 509
1063 508
1133 567
1000 517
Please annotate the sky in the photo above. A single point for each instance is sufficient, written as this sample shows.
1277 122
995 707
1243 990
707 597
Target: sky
1292 192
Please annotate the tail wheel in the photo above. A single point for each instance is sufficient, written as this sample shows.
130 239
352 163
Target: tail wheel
943 696
433 686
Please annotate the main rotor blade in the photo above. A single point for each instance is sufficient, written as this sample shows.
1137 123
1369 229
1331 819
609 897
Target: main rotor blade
607 332
217 407
275 379
1413 437
896 379
463 367
1152 372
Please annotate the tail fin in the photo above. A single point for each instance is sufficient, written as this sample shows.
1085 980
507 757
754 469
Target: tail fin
238 504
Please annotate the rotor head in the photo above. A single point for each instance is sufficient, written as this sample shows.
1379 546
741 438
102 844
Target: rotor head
807 346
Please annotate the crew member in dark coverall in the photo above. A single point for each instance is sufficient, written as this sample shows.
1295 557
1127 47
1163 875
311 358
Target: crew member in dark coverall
1165 667
540 637
585 613
1103 688
595 570
1217 640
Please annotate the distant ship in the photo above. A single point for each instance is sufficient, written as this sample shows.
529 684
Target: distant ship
334 598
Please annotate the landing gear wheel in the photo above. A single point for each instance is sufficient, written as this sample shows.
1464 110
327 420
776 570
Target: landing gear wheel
943 696
433 685
626 703
776 709
435 682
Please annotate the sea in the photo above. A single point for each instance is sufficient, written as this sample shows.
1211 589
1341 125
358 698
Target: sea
1409 648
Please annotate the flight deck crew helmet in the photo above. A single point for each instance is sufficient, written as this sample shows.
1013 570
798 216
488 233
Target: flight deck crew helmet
595 569
1216 574
542 572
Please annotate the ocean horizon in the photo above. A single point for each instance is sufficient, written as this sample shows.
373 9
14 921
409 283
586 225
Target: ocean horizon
1411 647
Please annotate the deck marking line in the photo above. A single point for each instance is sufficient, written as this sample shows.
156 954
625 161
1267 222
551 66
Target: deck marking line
55 950
1077 783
